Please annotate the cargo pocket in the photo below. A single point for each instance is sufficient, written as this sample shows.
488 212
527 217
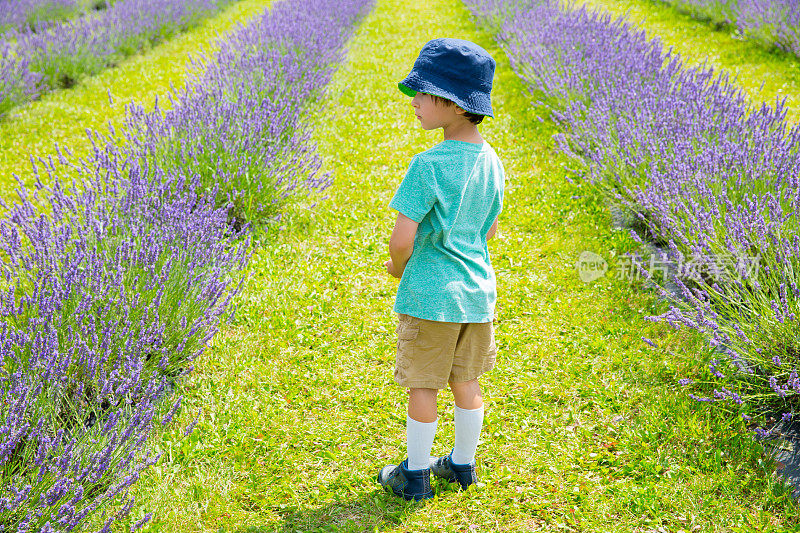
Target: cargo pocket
407 333
407 328
492 350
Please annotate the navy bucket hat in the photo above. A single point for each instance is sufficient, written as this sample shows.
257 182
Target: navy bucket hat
454 69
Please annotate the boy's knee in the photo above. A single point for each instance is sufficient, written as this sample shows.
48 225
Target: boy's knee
472 384
467 394
423 392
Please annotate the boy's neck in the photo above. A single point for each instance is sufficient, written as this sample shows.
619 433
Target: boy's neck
462 131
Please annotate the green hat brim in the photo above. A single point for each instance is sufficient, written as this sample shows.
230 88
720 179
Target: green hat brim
406 90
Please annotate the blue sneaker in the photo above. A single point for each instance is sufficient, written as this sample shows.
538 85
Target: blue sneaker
410 484
445 468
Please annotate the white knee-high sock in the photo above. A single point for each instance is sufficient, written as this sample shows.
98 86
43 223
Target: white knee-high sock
468 429
420 440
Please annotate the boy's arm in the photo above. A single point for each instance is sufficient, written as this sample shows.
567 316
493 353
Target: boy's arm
401 244
493 229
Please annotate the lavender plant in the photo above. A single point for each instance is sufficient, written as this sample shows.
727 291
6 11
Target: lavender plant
27 13
61 54
65 52
112 286
718 12
107 299
248 128
707 173
771 22
18 84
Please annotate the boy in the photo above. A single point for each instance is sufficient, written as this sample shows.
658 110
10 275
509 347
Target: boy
447 206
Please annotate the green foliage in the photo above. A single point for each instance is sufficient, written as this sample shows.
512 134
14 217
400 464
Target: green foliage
718 13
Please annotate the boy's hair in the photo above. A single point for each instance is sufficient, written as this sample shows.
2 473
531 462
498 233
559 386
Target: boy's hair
472 117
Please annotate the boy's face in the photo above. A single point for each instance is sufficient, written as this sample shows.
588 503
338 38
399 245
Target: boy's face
432 115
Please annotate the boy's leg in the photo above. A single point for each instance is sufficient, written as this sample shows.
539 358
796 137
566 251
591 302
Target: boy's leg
422 404
425 350
468 420
420 427
467 394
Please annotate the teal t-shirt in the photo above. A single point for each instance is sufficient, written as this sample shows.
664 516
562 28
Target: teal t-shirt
454 191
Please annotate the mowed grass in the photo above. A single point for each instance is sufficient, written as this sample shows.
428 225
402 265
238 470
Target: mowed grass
62 117
586 428
765 73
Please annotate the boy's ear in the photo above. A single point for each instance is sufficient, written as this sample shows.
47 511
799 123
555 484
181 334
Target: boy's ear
459 110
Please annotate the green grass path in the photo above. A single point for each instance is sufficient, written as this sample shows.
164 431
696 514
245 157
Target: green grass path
63 116
765 74
584 429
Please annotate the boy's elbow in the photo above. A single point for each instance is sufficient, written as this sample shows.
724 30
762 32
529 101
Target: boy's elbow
400 247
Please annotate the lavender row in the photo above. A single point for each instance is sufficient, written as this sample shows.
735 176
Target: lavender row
106 300
20 14
772 22
707 174
215 128
52 56
114 286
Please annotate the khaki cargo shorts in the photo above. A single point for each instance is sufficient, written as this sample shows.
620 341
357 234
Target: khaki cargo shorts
431 353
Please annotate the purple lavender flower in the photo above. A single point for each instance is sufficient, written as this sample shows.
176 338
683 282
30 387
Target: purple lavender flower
190 428
773 22
114 286
48 55
18 83
19 14
651 343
